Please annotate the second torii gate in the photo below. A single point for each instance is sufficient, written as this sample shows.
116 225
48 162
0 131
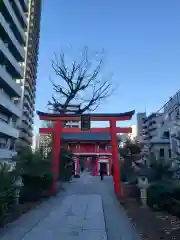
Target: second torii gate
57 129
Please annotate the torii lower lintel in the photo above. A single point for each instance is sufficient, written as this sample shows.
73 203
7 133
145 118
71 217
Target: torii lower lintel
93 130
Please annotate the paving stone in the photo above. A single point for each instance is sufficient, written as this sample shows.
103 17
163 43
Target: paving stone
94 224
95 235
62 224
87 210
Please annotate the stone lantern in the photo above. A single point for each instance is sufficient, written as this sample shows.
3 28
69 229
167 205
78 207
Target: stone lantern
143 185
18 185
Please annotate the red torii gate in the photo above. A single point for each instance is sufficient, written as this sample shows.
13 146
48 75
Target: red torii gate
57 129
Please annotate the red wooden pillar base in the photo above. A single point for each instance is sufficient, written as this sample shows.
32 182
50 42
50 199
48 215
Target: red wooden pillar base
109 166
56 152
115 159
97 164
94 168
77 172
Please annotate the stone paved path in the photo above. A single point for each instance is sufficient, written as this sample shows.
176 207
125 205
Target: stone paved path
87 210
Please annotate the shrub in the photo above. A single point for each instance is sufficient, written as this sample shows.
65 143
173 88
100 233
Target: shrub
7 179
65 165
35 172
65 158
160 169
34 187
161 193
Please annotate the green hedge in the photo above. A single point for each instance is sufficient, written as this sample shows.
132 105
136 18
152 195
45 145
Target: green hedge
34 186
6 201
163 194
7 179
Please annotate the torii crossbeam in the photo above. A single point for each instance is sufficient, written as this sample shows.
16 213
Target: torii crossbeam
57 129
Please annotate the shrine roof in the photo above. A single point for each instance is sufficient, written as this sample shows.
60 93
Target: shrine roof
86 136
94 116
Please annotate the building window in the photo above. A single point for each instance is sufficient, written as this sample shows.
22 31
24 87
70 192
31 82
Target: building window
12 144
166 135
161 152
169 153
3 143
102 146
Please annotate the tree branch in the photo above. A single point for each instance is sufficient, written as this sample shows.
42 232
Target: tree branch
81 79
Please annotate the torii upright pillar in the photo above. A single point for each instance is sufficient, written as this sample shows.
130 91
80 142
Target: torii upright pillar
115 159
56 151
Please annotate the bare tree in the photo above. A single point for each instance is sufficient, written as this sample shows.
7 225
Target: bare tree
80 83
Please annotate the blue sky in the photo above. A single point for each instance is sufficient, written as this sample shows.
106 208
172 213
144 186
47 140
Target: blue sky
141 39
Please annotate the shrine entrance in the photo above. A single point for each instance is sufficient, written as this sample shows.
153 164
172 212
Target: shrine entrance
85 119
103 166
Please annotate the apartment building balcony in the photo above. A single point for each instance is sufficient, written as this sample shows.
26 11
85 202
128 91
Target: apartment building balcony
27 104
9 32
31 104
153 133
20 143
9 106
17 67
14 18
27 128
29 89
26 137
147 137
145 131
8 83
21 11
24 5
6 154
28 112
8 130
27 120
31 80
30 77
152 127
29 96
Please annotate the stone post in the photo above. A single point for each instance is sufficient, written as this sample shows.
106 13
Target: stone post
143 185
18 185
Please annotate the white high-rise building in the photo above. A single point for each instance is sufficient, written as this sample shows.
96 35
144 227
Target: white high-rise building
172 116
140 122
148 126
19 40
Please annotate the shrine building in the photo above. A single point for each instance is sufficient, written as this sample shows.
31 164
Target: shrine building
92 148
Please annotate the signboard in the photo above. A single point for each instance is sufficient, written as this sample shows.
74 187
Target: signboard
85 122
